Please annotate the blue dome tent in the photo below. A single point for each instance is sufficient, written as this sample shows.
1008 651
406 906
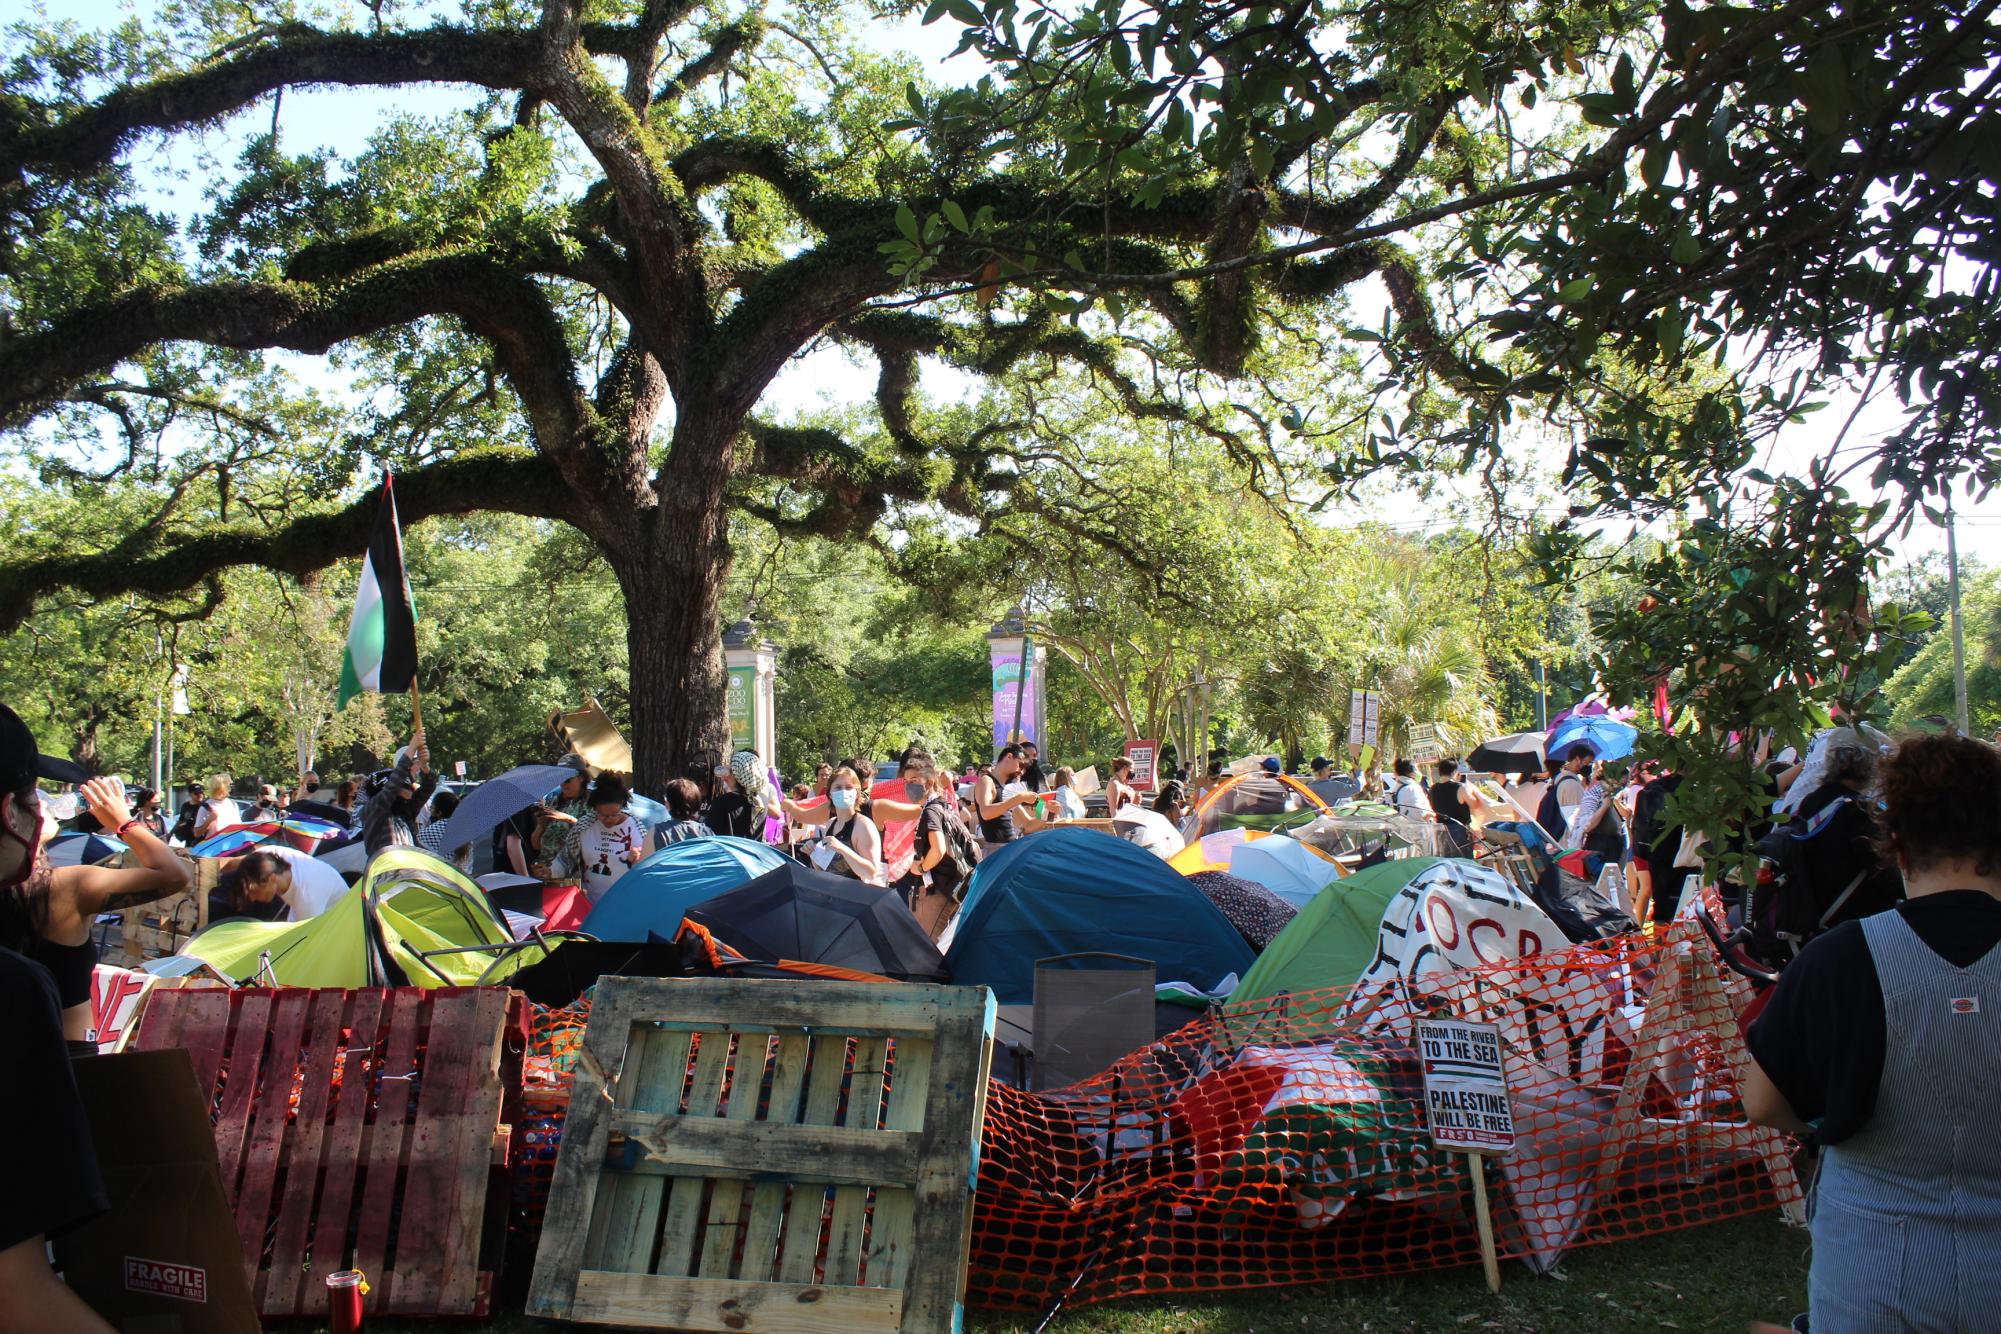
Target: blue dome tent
1069 891
654 895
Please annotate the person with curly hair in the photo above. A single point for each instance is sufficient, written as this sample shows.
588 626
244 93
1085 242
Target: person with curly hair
1907 1210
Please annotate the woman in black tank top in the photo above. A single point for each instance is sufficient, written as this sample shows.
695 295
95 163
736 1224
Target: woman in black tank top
48 917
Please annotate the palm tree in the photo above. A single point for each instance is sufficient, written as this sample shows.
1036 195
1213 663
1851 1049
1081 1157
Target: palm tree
1427 670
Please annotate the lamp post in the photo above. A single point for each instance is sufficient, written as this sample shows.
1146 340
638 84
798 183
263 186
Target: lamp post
751 661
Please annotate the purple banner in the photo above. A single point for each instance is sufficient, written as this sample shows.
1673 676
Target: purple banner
1007 685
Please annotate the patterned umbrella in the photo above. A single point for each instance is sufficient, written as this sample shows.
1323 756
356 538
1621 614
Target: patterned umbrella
298 831
84 849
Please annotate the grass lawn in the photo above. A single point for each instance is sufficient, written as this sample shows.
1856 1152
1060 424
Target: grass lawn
1719 1277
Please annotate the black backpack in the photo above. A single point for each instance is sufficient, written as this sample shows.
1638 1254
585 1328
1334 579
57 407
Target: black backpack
1787 907
960 850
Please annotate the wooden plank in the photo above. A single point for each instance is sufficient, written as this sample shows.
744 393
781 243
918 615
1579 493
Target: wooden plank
891 1240
471 1156
1665 1009
573 1189
726 1201
801 1246
767 1005
767 1198
265 1140
729 1306
430 1175
954 1112
1719 1017
680 1230
627 1219
863 1153
282 1282
685 1147
250 1026
343 1150
404 1021
204 1031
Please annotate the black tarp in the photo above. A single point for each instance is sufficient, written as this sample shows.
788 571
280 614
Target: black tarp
796 912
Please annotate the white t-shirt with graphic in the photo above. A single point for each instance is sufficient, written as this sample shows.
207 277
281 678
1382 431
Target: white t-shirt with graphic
604 852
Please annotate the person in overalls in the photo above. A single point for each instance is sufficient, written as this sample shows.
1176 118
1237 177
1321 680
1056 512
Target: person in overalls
1881 1043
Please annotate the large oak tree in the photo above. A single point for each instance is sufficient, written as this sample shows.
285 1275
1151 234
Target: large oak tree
613 345
1213 176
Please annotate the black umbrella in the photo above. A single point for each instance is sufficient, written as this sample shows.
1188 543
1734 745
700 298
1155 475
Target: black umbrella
1516 753
796 912
499 797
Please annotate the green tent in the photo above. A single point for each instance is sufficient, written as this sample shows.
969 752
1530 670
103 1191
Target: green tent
377 934
1333 938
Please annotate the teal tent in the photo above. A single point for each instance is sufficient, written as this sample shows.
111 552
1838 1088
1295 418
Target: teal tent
652 897
1074 891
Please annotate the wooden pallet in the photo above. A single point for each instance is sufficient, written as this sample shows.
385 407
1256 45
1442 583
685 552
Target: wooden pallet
356 1130
783 1157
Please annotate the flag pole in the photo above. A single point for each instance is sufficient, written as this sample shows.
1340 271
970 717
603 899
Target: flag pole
416 707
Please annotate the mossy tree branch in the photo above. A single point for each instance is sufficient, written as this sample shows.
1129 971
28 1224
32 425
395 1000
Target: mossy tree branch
500 305
161 562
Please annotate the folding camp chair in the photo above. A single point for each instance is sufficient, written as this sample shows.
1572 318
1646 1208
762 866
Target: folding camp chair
1090 1009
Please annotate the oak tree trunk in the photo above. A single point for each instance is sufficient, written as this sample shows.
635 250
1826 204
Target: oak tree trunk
672 562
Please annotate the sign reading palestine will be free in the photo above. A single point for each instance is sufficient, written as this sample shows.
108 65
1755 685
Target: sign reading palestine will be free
1465 1086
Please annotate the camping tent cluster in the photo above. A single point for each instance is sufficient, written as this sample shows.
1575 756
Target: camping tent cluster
1241 1004
1277 914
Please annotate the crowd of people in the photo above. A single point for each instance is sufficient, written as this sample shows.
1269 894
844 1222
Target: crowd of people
1881 897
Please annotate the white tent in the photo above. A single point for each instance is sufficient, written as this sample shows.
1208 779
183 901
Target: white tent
1150 829
1287 868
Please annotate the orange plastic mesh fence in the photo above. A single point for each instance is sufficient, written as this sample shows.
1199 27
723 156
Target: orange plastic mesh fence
555 1038
1285 1142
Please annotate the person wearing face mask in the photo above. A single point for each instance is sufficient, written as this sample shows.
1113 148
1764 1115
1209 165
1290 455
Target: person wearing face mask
851 844
146 806
916 797
53 1184
48 913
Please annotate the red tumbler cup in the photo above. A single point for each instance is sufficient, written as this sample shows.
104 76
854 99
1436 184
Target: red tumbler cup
344 1293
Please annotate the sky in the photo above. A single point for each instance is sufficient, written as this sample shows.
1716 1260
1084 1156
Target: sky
342 120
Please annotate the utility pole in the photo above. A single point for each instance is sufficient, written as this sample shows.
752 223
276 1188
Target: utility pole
159 708
1958 630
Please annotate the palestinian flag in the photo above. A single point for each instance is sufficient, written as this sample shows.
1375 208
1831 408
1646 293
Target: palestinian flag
381 652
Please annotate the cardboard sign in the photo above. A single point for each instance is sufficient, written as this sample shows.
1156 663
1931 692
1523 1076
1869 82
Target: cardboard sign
115 995
459 768
1364 717
1144 755
1465 1086
1424 744
1086 781
166 1255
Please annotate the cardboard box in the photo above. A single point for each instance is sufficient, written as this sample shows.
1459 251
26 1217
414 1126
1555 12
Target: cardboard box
166 1258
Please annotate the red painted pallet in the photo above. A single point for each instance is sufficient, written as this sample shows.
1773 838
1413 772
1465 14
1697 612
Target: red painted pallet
358 1130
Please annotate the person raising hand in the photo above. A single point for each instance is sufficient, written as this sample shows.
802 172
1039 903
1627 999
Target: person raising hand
48 916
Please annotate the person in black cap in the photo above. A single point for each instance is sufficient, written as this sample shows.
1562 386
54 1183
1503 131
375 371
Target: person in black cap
53 1183
47 912
183 831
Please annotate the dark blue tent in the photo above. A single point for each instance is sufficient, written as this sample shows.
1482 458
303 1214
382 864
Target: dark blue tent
654 895
1068 891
